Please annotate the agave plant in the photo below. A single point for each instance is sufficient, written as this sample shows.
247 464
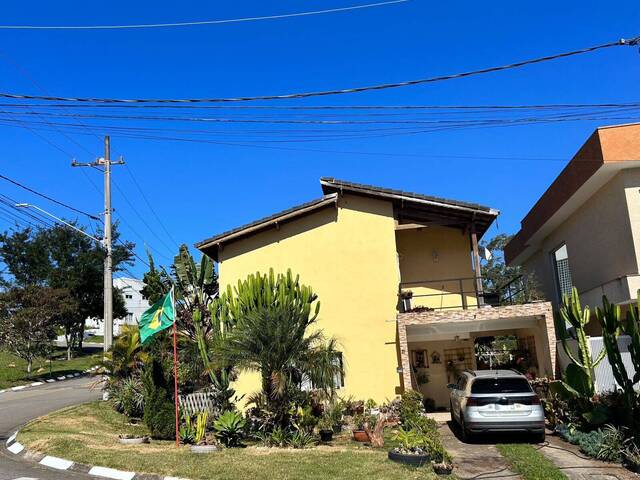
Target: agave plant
229 428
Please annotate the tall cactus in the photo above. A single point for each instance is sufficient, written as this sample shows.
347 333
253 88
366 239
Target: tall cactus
580 374
612 327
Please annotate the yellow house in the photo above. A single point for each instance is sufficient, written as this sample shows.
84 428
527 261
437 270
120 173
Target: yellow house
365 250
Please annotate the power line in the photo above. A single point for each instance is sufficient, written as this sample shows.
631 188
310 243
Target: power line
144 196
200 22
383 86
58 202
332 107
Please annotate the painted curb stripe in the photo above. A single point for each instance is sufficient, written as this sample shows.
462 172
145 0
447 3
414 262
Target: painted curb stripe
16 448
111 473
61 378
19 387
55 462
12 438
36 384
50 380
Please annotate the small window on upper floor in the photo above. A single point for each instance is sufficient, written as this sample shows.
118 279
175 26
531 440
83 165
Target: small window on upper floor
128 296
562 271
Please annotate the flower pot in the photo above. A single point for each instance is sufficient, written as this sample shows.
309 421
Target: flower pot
202 449
326 435
409 459
360 436
442 468
132 440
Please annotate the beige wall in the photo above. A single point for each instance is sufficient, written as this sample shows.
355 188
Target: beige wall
348 256
603 242
436 253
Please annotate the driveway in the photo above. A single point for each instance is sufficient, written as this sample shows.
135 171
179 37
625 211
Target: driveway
479 460
16 408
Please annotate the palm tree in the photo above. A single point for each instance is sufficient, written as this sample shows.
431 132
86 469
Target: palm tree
277 343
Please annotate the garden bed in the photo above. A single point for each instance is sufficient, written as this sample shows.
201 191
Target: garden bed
89 434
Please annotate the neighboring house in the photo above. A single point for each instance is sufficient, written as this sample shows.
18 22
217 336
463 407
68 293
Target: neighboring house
134 302
359 246
584 231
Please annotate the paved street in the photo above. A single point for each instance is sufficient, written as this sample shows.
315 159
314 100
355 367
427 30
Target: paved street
16 408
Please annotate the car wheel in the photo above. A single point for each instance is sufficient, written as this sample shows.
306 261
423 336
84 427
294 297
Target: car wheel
539 437
465 433
453 417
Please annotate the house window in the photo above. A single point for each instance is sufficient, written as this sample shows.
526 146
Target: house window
128 296
129 317
562 270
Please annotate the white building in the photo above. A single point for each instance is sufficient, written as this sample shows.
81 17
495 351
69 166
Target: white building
134 302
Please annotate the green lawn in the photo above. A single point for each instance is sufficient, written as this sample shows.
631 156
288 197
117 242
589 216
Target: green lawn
13 370
88 434
94 339
527 460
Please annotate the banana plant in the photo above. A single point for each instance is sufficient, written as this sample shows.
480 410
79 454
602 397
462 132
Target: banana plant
579 376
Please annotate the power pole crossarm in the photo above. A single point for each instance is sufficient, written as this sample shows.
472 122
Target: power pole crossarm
106 164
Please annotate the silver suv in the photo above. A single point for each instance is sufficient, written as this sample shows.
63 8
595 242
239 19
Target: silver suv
495 401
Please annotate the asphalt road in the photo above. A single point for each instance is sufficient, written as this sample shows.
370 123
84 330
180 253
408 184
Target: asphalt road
17 408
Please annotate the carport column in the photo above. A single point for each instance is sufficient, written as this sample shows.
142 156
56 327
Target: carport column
404 355
476 265
548 326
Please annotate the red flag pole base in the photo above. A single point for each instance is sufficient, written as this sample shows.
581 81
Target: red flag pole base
175 382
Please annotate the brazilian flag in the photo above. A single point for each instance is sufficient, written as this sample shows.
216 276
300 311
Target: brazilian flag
160 316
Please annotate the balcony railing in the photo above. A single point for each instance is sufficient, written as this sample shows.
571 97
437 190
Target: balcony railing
440 294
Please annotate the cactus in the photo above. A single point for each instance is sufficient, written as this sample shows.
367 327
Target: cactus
612 327
580 374
201 426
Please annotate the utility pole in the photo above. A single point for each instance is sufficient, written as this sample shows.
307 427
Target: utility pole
105 165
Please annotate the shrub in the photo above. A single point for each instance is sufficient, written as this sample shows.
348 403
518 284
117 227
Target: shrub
590 442
301 439
159 409
229 428
187 430
127 396
410 406
279 437
423 425
612 444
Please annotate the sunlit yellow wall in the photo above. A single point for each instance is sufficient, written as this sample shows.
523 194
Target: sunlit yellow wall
348 256
436 253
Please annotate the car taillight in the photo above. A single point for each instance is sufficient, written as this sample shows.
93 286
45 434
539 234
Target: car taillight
472 402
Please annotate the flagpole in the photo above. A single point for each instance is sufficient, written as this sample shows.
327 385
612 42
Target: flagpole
175 368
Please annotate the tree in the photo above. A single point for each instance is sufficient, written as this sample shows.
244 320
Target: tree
62 258
274 335
28 317
496 274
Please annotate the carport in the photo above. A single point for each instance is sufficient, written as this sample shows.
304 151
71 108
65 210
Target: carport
436 345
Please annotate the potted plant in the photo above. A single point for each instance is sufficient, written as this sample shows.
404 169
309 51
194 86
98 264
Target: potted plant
325 429
405 299
411 449
441 461
128 439
359 433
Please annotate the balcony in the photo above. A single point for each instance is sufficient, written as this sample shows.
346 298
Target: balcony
440 294
457 293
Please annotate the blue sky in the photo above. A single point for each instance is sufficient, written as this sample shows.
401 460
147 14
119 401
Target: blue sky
203 188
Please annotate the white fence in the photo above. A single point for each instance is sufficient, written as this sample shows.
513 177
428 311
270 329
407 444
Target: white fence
605 381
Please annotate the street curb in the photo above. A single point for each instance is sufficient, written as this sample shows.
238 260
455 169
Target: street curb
56 463
37 382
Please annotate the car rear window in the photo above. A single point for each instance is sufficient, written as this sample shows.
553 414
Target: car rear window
501 385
